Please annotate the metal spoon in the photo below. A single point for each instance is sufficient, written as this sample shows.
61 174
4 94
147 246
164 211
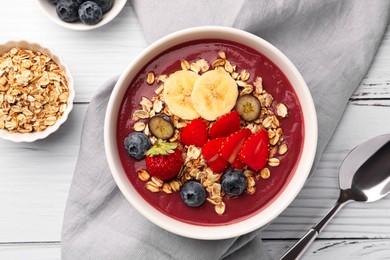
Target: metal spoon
364 176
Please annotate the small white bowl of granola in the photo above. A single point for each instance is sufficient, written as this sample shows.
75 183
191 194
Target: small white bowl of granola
36 91
210 133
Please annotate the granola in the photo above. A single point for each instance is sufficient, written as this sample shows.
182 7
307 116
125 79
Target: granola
33 91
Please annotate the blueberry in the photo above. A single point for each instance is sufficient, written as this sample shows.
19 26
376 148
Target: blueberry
161 126
234 182
90 13
137 144
193 194
105 5
166 118
53 2
67 10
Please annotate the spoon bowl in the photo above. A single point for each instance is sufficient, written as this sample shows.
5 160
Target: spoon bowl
367 168
364 176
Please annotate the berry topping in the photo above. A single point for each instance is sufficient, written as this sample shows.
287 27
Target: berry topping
90 13
225 125
210 153
164 160
232 145
248 107
161 126
137 144
105 4
254 151
233 182
237 163
195 133
67 10
193 194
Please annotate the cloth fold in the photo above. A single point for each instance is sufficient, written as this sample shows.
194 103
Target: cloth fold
332 43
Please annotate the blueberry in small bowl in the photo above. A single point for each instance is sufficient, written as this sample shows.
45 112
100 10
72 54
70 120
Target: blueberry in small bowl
90 13
106 5
66 12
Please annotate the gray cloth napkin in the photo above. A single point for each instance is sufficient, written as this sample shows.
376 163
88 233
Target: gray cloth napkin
332 43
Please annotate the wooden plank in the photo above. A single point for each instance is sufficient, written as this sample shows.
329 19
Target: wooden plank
321 249
31 251
336 249
371 102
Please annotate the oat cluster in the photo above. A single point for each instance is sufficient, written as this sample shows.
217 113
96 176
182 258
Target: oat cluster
33 91
195 166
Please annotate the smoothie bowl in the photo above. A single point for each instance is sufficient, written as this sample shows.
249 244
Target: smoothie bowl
210 133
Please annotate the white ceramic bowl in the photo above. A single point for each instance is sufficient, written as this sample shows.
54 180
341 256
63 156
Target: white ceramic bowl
284 198
50 11
33 136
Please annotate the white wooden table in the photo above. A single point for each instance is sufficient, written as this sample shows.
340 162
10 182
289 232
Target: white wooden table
35 178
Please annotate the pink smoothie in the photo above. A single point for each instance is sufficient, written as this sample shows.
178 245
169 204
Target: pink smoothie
274 81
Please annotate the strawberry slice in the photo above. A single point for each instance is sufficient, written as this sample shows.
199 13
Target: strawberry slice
210 153
254 151
225 125
232 146
238 164
195 133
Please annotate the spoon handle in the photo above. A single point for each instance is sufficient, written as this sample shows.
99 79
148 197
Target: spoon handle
303 244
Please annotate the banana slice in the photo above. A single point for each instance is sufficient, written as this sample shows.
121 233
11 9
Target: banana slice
214 94
177 94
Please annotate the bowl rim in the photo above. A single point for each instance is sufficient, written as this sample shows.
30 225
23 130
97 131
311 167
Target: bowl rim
117 7
33 136
282 200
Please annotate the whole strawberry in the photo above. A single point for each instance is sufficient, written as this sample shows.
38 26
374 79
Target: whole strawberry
164 160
